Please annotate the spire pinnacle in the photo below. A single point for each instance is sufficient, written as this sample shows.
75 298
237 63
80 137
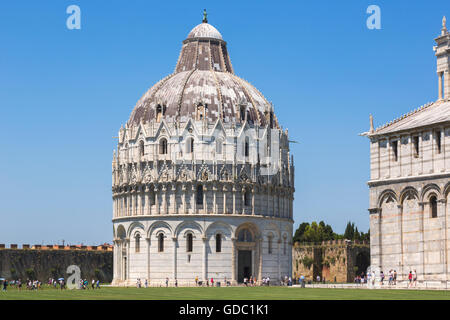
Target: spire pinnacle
205 16
371 123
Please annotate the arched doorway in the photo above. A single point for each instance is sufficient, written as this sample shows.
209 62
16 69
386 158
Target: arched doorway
362 263
245 254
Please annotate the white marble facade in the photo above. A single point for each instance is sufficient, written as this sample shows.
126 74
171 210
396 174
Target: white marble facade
410 185
203 180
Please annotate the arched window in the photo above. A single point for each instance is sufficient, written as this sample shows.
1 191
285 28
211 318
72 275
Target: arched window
219 143
246 147
163 146
141 148
158 113
247 198
242 113
199 194
433 207
218 242
152 198
190 145
269 245
189 242
245 236
161 242
137 245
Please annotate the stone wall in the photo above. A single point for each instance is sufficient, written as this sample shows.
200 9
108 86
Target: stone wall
336 260
44 262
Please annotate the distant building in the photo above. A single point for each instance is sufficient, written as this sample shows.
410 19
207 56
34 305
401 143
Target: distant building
203 180
410 183
333 261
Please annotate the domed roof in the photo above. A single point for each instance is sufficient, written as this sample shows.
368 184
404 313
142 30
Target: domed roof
203 79
204 30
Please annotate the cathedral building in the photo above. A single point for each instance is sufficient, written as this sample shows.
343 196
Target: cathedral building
410 184
202 178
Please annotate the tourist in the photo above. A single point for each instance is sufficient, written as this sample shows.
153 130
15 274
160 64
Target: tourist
414 275
245 281
373 277
146 283
93 284
176 282
196 280
98 284
5 285
395 277
212 282
268 281
381 277
410 277
391 277
167 282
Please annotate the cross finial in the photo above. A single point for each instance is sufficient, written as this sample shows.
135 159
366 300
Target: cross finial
205 16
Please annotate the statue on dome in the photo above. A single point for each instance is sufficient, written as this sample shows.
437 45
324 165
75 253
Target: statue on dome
205 16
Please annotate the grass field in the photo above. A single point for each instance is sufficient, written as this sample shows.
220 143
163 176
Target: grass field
230 293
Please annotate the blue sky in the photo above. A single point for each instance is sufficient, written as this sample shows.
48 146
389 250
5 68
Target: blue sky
65 93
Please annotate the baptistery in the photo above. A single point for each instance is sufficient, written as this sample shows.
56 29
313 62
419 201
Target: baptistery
202 177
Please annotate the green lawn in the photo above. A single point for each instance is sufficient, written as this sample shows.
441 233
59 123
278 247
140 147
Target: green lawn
231 293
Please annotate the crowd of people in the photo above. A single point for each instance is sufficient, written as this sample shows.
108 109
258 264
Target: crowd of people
51 283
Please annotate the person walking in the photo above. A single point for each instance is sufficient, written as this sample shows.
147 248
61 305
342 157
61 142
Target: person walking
414 276
381 277
410 277
5 285
167 282
196 281
93 284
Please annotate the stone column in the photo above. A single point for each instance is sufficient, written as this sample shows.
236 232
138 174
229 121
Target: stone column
127 271
163 199
175 202
183 197
204 260
440 84
205 199
278 259
233 260
422 242
158 211
224 199
214 190
149 202
260 252
148 258
400 225
234 199
194 193
115 251
253 201
243 200
174 257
